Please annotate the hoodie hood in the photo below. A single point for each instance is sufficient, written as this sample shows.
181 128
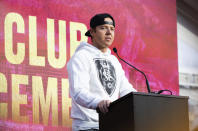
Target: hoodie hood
92 49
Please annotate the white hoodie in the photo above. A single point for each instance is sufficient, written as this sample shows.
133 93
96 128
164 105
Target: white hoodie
93 76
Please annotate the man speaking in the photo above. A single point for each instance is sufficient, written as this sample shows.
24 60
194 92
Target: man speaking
96 77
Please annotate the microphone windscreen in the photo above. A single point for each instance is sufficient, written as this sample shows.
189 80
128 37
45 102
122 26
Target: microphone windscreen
115 50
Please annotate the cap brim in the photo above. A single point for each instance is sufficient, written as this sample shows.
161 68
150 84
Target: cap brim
88 33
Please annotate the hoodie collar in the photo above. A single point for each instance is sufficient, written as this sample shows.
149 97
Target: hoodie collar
92 48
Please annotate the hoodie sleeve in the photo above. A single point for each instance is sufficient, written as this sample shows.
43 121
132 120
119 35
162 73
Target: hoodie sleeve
125 86
78 73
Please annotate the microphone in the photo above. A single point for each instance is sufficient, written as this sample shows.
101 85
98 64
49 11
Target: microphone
147 83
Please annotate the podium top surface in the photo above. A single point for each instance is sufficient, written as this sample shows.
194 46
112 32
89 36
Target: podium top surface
148 94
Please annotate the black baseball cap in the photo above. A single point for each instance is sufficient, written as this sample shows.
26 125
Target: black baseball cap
98 19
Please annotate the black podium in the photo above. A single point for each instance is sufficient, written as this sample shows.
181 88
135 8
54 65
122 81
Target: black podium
146 112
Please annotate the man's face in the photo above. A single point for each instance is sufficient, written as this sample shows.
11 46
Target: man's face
103 35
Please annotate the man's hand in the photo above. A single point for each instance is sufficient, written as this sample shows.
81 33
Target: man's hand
103 105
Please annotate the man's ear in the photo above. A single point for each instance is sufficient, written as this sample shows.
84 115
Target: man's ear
92 30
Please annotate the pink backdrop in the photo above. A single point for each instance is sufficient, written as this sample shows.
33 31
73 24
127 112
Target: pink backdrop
145 37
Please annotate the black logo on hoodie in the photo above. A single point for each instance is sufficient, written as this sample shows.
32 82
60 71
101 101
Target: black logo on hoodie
107 75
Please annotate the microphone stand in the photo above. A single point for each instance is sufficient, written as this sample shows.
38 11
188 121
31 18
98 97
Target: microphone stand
147 83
